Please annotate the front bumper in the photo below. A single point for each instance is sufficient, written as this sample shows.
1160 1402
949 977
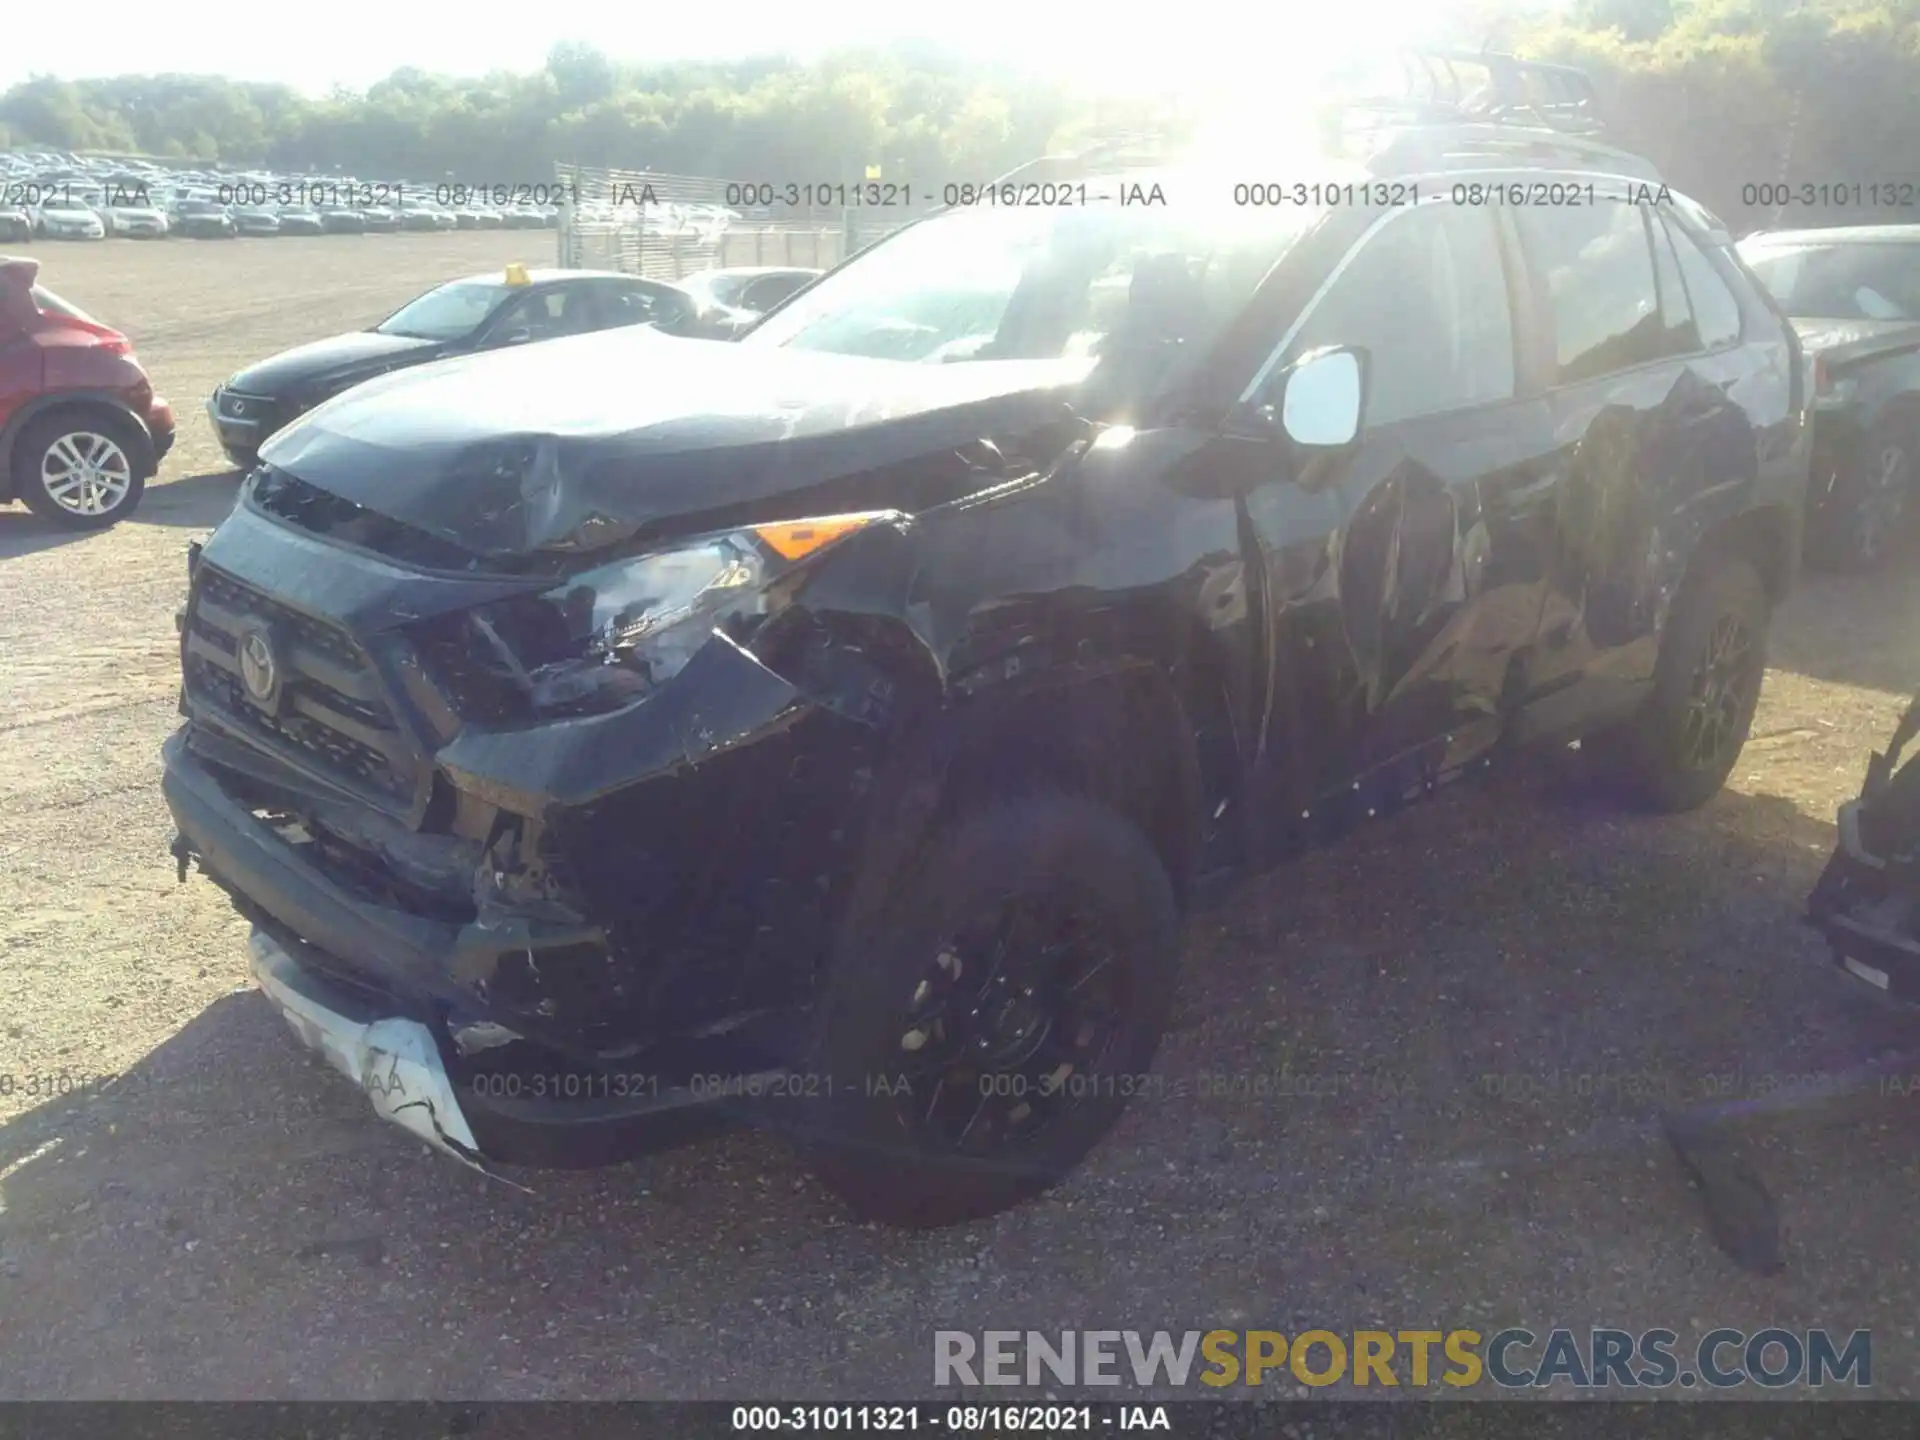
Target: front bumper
394 1059
379 992
161 429
1867 900
1869 912
241 436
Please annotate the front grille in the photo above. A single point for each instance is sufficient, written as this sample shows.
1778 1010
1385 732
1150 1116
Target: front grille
320 512
331 717
237 406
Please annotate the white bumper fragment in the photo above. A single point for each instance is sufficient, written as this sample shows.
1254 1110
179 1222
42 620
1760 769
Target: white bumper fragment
393 1059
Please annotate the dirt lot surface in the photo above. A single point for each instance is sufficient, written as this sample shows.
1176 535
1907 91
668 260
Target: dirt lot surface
1487 1004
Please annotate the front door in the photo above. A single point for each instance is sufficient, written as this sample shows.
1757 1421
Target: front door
1399 598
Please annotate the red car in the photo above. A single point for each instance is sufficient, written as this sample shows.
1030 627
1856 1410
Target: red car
81 431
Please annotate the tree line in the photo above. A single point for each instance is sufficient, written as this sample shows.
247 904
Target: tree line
1818 101
906 108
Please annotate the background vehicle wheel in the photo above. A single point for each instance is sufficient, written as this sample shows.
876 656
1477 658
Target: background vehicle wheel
1677 753
1870 509
83 468
984 1031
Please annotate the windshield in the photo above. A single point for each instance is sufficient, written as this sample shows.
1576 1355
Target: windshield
1841 282
1151 283
448 313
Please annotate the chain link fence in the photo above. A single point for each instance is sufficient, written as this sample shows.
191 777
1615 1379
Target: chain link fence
666 227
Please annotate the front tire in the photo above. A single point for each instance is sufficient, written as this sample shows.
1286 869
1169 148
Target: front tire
982 1032
81 468
1677 753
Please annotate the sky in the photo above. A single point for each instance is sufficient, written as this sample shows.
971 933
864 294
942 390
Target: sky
1146 43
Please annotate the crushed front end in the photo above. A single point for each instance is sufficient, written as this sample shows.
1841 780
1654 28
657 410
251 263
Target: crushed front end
1867 901
545 905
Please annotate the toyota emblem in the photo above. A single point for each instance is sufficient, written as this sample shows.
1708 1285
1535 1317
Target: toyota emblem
260 669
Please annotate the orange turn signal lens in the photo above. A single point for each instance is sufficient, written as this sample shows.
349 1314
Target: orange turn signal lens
796 539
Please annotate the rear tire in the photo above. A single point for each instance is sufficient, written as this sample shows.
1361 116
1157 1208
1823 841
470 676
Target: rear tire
916 1126
1861 523
1677 752
83 467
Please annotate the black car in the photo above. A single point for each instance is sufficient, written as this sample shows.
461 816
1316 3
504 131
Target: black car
342 220
203 220
1854 296
481 312
301 220
379 219
832 729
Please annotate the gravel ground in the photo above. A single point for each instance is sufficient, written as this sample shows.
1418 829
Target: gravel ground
1495 997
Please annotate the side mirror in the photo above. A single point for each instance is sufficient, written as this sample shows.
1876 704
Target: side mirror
1320 401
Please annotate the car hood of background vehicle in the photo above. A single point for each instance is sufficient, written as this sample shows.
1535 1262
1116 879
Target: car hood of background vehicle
577 443
323 359
1841 342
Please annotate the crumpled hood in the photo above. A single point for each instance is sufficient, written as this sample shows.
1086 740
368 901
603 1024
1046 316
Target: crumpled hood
1842 341
337 354
576 443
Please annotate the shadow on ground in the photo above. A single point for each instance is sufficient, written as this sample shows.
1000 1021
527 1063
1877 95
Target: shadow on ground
1504 992
201 501
1854 629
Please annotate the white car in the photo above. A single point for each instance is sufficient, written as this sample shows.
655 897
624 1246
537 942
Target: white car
64 219
143 222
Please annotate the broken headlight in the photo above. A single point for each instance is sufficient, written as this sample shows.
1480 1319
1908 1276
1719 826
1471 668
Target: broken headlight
608 636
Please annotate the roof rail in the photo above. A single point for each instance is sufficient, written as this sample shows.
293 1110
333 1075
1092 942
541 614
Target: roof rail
1476 146
1447 108
1122 149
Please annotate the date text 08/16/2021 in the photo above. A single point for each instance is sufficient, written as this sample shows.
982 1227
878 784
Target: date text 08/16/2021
1050 1419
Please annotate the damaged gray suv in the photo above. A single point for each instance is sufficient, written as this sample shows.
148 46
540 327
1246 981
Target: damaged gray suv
829 728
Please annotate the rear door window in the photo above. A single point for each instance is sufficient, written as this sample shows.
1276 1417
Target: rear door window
1596 268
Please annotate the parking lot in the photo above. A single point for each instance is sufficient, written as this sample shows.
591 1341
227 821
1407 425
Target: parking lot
1413 1081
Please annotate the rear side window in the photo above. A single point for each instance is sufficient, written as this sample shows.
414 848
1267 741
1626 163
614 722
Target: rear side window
1716 311
1597 270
